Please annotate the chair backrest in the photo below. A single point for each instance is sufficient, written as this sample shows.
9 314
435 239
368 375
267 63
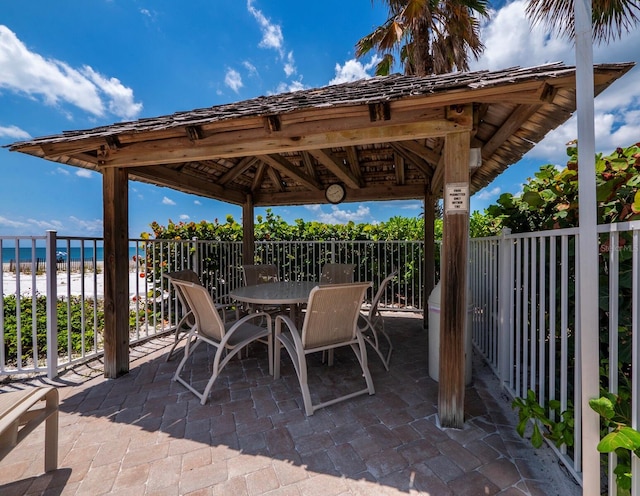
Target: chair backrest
332 314
381 289
259 274
337 273
183 275
208 320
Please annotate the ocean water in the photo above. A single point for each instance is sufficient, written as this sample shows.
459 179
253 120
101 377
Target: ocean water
25 253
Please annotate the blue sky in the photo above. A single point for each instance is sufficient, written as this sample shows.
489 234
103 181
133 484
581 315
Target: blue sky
76 64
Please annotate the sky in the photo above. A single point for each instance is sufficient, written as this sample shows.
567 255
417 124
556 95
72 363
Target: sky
76 65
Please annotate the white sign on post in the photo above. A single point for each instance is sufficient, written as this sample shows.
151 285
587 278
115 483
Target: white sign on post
456 198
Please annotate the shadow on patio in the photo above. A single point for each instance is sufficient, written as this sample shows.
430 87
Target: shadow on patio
145 434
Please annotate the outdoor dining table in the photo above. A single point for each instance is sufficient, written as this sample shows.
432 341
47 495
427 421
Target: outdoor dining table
283 293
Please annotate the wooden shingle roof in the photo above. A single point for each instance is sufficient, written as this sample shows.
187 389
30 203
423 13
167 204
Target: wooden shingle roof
381 137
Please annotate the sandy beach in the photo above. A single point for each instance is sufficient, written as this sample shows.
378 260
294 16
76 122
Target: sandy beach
71 284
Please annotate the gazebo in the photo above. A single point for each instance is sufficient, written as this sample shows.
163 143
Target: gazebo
385 138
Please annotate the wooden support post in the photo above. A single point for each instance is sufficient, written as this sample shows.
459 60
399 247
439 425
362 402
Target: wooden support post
248 232
116 271
453 313
429 251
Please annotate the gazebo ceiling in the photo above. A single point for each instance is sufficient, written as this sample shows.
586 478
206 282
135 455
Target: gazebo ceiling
382 137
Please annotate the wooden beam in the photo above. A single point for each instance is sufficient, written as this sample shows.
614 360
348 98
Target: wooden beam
429 248
438 178
309 166
354 163
329 160
376 193
248 231
116 272
290 170
417 161
261 169
238 169
514 122
276 179
398 164
242 143
163 176
432 157
453 310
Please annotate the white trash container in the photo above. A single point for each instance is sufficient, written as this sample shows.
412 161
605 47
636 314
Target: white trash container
434 336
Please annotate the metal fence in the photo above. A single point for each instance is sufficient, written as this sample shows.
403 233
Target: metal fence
526 322
68 301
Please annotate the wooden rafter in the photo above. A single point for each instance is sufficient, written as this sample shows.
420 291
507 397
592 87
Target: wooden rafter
237 170
422 165
354 163
515 121
342 172
282 164
163 176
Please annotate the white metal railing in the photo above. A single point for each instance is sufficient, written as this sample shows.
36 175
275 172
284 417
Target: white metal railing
68 301
526 321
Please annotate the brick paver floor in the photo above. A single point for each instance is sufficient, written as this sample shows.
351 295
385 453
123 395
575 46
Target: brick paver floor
144 434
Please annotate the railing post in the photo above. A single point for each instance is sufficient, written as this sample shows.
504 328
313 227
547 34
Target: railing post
505 285
52 300
195 264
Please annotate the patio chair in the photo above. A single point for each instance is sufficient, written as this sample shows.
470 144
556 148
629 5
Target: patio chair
253 275
336 273
259 274
21 412
372 324
331 322
187 320
227 338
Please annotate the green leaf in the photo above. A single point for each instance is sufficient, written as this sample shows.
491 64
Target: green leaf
536 437
626 438
635 206
602 406
532 199
619 164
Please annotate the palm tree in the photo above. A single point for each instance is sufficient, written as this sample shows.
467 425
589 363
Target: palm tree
610 17
431 36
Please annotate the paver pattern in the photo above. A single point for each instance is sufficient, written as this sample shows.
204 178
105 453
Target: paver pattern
144 434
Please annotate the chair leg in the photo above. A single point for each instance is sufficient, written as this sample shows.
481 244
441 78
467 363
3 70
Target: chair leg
188 350
361 354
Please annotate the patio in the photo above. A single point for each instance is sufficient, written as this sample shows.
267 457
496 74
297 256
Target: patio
145 434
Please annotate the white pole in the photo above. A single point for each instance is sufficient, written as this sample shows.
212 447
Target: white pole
587 335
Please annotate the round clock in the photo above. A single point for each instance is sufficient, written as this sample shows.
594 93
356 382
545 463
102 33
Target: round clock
335 193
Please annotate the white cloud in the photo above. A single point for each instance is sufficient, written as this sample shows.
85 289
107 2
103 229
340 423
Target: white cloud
510 41
84 173
353 69
339 216
251 69
292 86
272 38
488 194
63 171
13 132
94 226
271 33
184 217
290 65
197 202
119 97
25 72
168 201
11 223
233 80
46 224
